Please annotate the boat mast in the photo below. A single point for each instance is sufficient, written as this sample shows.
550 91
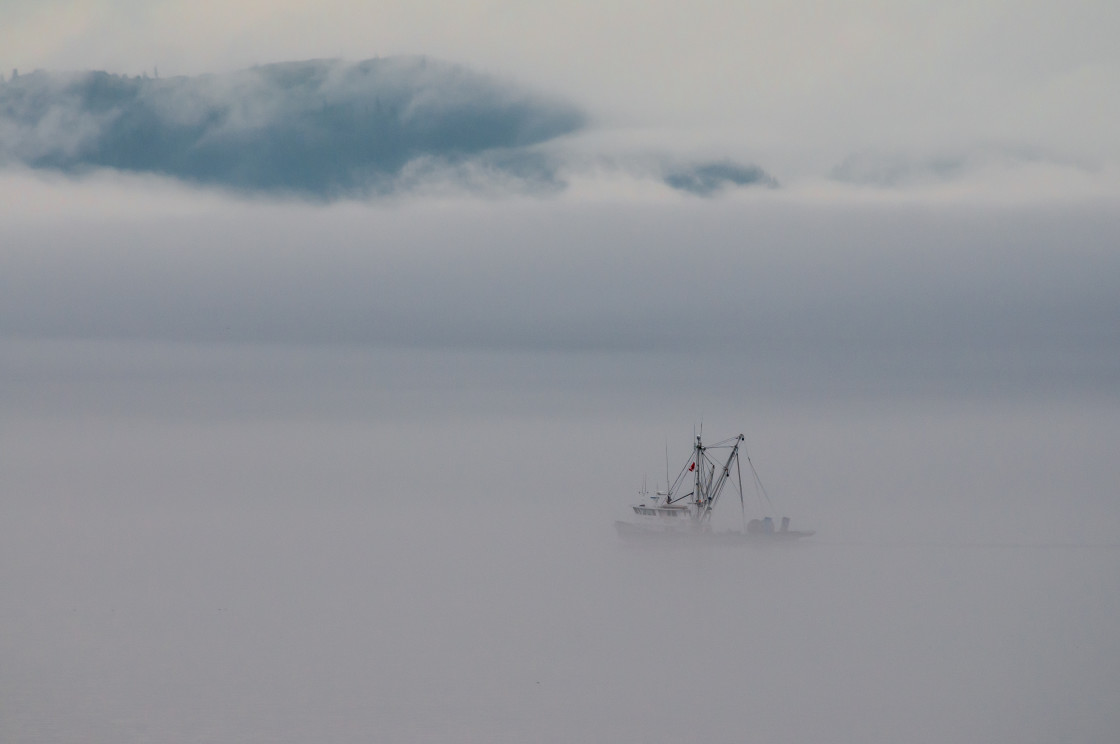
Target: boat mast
715 485
698 462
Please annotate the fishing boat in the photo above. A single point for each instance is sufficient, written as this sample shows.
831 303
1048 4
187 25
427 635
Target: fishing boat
674 514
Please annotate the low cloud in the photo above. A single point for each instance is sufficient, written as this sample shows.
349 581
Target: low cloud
328 129
708 178
321 128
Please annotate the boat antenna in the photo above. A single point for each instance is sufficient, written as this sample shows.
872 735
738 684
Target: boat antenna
668 485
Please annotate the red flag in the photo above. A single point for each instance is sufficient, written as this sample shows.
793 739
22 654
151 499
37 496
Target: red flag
691 467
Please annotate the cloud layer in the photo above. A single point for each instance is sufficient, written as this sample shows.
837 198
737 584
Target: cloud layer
322 127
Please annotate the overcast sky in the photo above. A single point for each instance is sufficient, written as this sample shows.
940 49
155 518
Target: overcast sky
322 382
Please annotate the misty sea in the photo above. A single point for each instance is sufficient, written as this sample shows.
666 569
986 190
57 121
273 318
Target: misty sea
293 545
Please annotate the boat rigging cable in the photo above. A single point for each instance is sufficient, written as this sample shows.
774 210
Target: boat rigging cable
742 506
759 488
